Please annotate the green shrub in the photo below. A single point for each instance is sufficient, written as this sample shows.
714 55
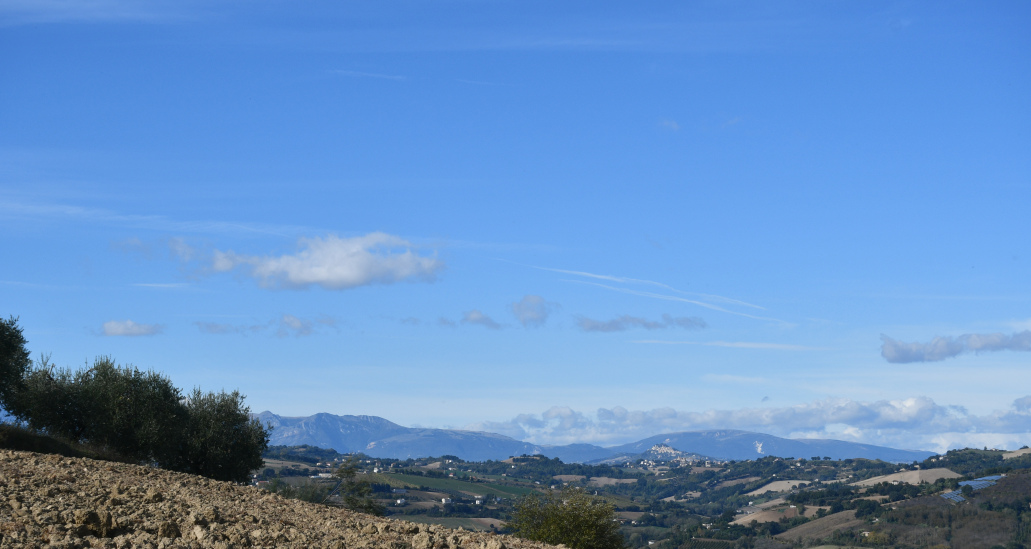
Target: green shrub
220 440
571 517
124 411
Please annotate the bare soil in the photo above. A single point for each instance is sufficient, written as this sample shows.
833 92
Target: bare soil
54 501
911 477
822 527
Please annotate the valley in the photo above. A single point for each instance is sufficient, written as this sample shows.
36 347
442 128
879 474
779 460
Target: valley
663 498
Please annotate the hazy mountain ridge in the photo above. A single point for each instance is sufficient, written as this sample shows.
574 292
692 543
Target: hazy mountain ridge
379 437
738 445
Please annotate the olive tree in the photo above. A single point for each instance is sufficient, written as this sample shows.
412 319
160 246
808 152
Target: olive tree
135 413
572 517
221 440
356 493
142 417
14 363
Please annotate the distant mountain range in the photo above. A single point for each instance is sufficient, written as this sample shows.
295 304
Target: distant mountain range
377 437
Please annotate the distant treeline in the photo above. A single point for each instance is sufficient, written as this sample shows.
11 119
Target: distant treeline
302 454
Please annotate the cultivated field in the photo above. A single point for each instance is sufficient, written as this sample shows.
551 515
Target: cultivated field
911 477
822 527
777 486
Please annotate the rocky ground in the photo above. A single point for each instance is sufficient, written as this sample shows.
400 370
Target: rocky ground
54 501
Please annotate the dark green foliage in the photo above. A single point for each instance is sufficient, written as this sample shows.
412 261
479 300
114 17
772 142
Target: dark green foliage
303 454
540 468
705 544
967 461
220 440
571 517
14 362
50 401
141 417
130 411
826 496
356 493
866 507
136 414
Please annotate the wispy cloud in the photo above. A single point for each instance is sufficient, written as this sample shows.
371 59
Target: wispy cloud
73 213
55 11
336 263
285 325
627 322
359 74
738 380
941 348
217 328
132 245
709 301
180 249
177 247
478 82
532 310
292 325
627 280
670 125
916 422
162 285
476 317
733 121
654 295
130 328
736 345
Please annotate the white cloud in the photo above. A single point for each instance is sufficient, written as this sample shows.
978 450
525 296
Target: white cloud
532 310
476 317
627 322
911 423
130 328
336 263
941 348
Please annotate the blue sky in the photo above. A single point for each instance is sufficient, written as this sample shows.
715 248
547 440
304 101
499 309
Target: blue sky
575 221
